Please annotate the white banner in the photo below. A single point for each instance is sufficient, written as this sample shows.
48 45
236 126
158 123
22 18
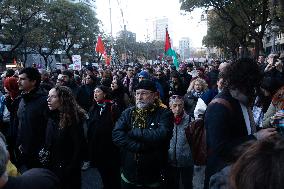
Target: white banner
77 65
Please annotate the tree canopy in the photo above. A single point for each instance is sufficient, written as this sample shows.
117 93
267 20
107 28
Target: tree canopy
250 18
36 26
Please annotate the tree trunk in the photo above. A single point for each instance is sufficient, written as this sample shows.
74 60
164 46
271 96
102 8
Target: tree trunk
45 61
68 53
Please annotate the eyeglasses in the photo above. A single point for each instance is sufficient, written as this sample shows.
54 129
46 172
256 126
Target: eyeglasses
130 70
158 75
176 97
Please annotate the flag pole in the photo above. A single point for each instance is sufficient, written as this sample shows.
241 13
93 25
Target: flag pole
110 19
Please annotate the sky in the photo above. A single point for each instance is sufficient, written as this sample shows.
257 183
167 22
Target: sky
136 12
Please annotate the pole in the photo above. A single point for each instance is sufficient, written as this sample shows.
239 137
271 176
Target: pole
273 50
110 20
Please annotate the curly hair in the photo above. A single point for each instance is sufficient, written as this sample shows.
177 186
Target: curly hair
244 75
201 81
70 111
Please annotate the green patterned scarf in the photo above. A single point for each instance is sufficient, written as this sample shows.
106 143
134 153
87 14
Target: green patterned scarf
139 116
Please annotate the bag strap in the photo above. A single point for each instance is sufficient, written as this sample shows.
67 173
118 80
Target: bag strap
223 102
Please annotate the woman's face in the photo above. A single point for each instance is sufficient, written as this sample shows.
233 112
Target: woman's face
98 94
197 86
89 80
114 84
53 100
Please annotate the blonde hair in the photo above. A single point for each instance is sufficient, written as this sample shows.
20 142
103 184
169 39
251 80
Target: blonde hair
201 81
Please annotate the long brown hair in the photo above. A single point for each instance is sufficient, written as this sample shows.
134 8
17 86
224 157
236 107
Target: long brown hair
278 98
261 166
70 111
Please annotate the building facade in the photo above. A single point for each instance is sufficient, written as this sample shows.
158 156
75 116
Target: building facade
268 42
184 50
159 28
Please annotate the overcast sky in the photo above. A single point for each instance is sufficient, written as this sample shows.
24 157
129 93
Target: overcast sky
136 12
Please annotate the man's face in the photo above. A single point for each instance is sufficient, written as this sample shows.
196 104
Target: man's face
25 84
199 73
62 80
89 80
177 106
144 98
141 78
261 59
159 75
44 77
129 72
174 79
88 72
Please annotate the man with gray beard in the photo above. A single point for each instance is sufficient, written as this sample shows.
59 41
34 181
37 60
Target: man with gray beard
143 133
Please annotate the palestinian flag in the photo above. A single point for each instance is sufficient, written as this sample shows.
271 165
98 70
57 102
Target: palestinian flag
169 51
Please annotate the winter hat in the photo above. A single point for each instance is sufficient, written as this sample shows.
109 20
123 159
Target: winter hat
147 85
144 74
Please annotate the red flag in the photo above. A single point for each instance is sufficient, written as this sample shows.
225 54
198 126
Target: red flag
168 41
100 46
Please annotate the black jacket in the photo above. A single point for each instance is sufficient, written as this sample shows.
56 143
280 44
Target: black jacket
32 115
225 130
65 145
12 106
102 151
85 96
144 152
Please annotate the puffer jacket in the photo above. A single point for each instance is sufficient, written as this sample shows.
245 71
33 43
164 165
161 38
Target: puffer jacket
32 115
179 152
144 152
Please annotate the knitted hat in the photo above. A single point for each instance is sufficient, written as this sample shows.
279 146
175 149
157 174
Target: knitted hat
147 85
144 74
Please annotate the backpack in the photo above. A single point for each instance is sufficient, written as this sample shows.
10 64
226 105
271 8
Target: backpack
196 136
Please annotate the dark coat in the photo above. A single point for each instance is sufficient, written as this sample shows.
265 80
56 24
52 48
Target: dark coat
65 146
144 152
213 78
225 130
32 115
12 106
190 102
101 122
85 96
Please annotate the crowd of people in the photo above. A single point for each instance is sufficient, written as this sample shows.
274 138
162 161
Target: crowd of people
131 123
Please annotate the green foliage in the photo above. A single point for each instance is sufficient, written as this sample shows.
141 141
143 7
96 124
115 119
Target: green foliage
75 24
44 28
20 19
245 19
139 50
